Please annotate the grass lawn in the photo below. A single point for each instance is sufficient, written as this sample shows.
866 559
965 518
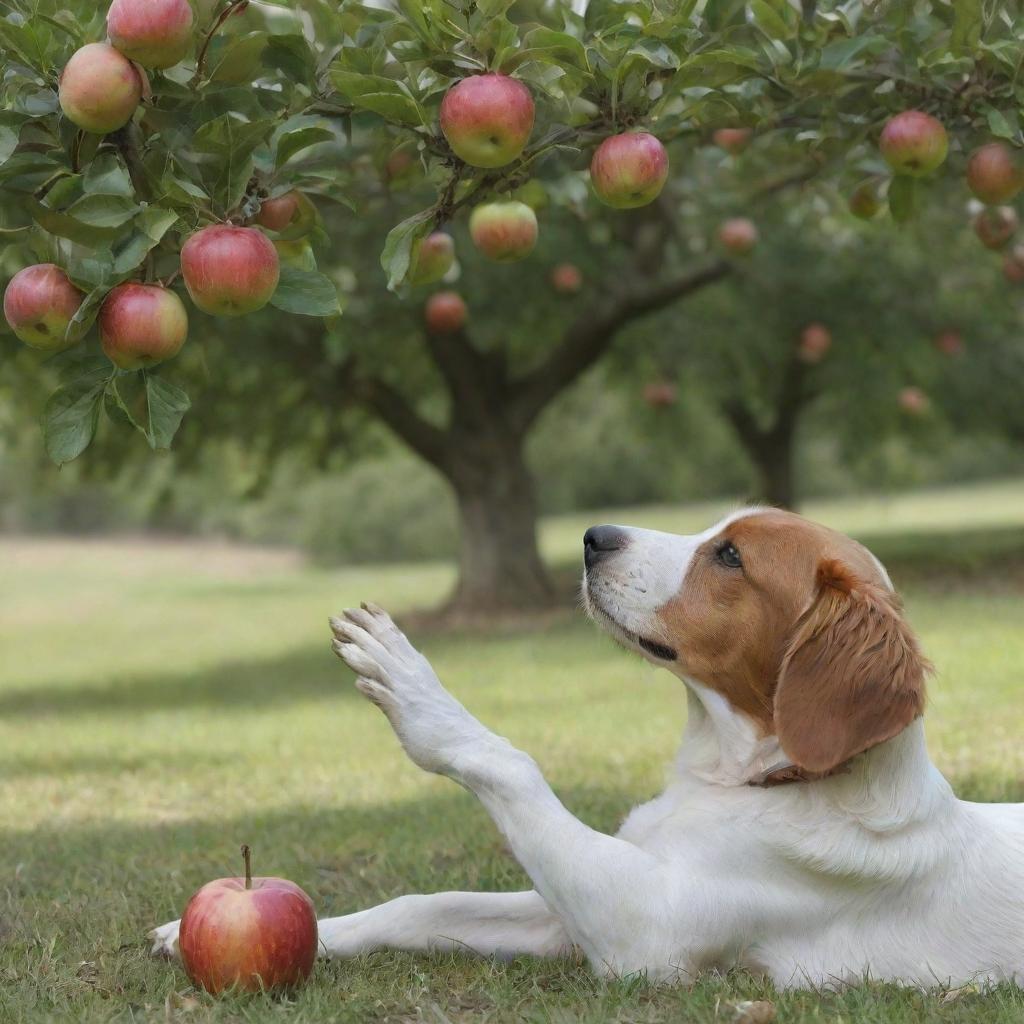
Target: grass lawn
162 703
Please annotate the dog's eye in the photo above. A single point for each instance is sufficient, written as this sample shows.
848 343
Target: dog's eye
729 556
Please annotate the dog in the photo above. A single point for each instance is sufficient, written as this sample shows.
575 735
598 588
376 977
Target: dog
804 835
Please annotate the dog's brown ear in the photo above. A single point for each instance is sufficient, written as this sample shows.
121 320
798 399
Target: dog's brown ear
853 675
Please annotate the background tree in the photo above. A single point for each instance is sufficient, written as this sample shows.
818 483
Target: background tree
342 101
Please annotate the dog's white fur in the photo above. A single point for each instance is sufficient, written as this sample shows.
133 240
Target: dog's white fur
879 872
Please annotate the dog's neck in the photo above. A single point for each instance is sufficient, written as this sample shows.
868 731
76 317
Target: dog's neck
723 747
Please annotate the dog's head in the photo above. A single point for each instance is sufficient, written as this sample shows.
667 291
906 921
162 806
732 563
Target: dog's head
796 626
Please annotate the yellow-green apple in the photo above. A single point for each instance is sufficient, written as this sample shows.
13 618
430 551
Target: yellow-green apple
566 278
738 234
994 174
433 259
996 226
913 143
446 313
248 934
229 270
864 202
815 341
660 394
291 215
487 119
142 325
732 140
153 33
99 88
295 253
913 400
504 232
949 342
39 303
629 170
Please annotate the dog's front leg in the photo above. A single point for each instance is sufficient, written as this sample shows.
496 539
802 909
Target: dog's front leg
616 901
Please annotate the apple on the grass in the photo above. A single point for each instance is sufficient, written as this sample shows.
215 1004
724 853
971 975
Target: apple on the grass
629 170
99 88
434 258
248 934
142 325
504 232
39 303
229 270
738 234
154 33
914 143
487 119
446 313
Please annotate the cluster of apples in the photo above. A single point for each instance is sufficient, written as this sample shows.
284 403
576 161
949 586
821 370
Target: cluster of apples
915 144
228 270
487 120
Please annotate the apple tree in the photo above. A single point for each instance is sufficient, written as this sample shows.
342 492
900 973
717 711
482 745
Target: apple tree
627 132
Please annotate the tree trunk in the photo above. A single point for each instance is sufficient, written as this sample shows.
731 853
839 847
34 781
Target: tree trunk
774 462
500 567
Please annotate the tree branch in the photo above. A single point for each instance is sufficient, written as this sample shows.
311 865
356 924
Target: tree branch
426 440
589 337
126 140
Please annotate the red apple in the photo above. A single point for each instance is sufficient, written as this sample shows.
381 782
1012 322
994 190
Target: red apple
566 279
914 401
629 170
100 88
1013 265
995 226
732 140
397 164
738 234
434 259
39 303
250 934
993 174
487 119
142 325
913 143
949 343
154 33
291 215
815 341
230 271
504 232
864 202
660 394
446 313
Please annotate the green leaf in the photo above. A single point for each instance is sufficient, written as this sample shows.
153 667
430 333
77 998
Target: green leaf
550 47
86 315
65 226
167 404
150 227
105 175
398 247
293 141
769 20
380 95
1003 125
71 415
902 198
306 292
103 211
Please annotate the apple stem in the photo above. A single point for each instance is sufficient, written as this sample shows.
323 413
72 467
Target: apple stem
247 857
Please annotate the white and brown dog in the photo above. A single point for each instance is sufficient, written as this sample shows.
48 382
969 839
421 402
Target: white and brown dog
805 834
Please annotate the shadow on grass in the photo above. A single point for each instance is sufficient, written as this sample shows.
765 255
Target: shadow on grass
302 674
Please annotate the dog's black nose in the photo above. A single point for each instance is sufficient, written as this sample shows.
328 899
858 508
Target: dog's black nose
599 541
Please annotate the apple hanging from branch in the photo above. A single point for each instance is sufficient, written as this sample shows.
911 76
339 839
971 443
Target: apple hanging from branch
99 89
229 270
142 325
153 33
487 119
629 170
39 304
504 232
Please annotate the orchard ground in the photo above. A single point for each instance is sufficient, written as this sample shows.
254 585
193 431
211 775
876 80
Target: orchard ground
160 703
